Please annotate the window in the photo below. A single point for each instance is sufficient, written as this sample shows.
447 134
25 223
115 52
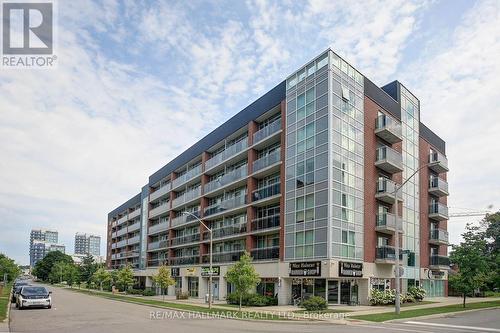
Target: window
304 207
346 93
305 172
305 138
323 61
303 243
348 240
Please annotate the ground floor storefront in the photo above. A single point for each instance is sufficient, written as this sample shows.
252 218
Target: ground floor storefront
339 282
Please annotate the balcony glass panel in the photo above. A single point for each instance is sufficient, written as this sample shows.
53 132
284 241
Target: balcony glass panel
225 205
439 235
389 154
438 208
158 227
227 153
436 260
227 178
266 192
223 257
184 218
266 222
266 253
188 175
438 183
267 131
185 239
186 197
234 229
265 161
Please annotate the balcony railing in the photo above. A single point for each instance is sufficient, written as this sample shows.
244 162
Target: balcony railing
223 257
389 160
133 240
267 160
229 230
134 214
161 209
438 162
188 175
121 243
186 260
226 153
227 178
158 228
438 236
185 239
159 192
128 254
122 219
157 262
438 211
266 192
184 219
267 131
134 227
226 205
386 223
157 245
438 186
438 261
266 222
388 129
268 253
385 190
186 197
386 254
121 232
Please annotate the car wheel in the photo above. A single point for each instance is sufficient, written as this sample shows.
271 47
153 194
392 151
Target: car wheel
49 307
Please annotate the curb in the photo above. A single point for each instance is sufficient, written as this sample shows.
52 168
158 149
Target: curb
5 324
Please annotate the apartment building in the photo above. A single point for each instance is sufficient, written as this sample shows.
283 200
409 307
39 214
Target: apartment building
41 242
303 179
87 244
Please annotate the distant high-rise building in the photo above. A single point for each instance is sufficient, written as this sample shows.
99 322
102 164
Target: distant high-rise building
42 242
87 244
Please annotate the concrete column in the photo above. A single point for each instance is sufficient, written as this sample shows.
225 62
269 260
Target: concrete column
171 290
184 284
285 291
202 287
222 288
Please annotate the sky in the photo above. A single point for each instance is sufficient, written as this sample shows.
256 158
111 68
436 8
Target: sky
138 82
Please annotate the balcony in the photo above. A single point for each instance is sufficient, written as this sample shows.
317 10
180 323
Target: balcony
438 162
229 152
386 223
388 129
122 220
267 161
438 211
267 131
187 176
223 257
269 253
134 227
438 237
230 177
121 232
160 210
267 222
134 214
266 192
385 191
226 205
184 219
386 255
161 192
186 197
389 160
128 254
158 245
186 260
438 186
157 228
439 262
157 262
113 245
121 243
133 240
186 239
231 230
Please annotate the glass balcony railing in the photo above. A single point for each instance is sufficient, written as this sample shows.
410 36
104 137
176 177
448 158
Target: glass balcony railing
157 262
266 222
226 205
388 129
226 231
227 178
386 253
161 209
186 197
387 222
438 185
184 219
438 236
227 153
185 260
162 191
133 240
158 228
157 245
437 260
438 211
389 159
267 253
267 131
121 243
438 162
185 239
223 257
266 192
134 227
267 160
187 176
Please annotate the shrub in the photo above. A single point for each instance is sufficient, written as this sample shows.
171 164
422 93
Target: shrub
417 293
134 291
251 300
385 297
148 292
182 295
314 303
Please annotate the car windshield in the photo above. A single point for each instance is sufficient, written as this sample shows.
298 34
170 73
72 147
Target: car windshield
34 291
18 288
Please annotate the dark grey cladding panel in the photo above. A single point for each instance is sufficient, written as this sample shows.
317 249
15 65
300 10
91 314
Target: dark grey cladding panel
242 118
383 99
432 138
129 203
393 90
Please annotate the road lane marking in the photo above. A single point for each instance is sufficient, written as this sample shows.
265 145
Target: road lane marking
413 326
472 328
396 329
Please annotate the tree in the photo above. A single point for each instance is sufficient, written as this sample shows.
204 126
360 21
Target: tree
101 276
243 276
471 261
58 272
8 267
163 279
71 274
44 267
125 278
88 268
491 226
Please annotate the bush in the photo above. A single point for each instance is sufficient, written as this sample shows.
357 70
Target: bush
148 292
314 303
251 300
385 297
416 293
182 295
135 291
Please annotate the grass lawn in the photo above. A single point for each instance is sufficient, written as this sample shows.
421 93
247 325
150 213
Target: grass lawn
322 311
5 301
379 317
405 305
492 294
230 313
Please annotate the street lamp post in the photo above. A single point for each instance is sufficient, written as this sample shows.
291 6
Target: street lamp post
210 256
397 277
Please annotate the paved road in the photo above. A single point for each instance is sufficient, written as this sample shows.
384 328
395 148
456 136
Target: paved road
74 312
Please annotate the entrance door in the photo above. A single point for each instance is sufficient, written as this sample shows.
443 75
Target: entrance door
215 289
333 292
345 292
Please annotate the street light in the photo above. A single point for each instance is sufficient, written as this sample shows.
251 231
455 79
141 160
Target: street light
397 301
210 265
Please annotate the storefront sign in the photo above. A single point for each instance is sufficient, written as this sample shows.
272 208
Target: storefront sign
205 271
175 271
191 271
351 269
309 268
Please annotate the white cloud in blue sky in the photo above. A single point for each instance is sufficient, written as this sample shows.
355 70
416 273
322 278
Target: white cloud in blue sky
138 82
